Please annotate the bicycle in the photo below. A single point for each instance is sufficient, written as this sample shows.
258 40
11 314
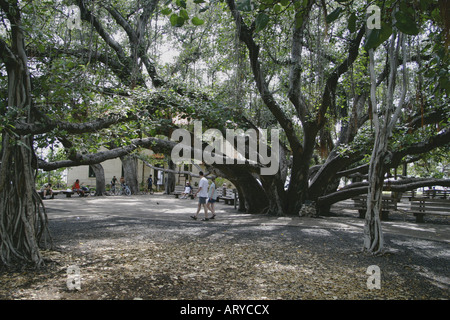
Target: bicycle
88 191
125 190
92 191
114 191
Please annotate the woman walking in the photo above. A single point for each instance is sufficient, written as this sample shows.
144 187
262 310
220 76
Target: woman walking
212 197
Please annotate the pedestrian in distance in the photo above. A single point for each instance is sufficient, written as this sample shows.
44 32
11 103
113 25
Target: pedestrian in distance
150 184
212 197
202 193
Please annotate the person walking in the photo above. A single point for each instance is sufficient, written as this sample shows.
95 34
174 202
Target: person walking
202 193
212 197
150 184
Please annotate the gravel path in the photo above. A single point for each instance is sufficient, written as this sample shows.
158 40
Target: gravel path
147 247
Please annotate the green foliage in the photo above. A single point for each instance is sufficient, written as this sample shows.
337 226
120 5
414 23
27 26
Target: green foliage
378 36
434 164
211 65
180 10
405 22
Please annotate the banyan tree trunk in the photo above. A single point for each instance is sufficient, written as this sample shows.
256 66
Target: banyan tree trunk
129 164
373 235
100 186
23 221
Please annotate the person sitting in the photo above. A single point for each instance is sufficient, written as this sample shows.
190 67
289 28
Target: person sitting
76 188
48 190
187 191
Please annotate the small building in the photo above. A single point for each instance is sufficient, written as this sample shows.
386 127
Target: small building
114 167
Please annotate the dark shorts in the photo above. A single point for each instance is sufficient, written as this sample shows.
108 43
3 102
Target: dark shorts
211 200
202 200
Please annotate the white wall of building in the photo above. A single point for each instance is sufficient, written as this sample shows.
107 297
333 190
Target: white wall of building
113 167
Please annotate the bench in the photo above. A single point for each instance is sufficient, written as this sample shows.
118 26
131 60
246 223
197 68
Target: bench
68 193
41 193
178 190
442 194
229 198
388 203
422 206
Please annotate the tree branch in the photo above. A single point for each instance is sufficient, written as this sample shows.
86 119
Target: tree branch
157 145
295 94
6 54
330 87
72 128
394 186
245 35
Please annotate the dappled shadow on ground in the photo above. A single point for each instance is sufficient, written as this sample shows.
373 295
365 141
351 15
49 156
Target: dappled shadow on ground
149 248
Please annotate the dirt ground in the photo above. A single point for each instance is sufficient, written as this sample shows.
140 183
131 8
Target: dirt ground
147 247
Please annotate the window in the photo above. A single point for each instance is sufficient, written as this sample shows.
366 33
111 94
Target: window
91 172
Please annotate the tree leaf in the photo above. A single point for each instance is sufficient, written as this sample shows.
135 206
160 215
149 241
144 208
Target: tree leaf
261 21
352 23
405 23
174 19
378 36
197 21
184 14
334 15
277 8
244 5
298 20
181 3
166 11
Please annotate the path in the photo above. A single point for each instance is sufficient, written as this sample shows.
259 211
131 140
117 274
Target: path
167 208
147 247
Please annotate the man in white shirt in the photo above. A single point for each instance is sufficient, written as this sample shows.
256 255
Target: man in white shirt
202 196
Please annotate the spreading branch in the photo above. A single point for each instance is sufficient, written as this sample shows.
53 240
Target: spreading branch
393 186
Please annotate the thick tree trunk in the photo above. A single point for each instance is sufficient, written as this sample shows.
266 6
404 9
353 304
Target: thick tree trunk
373 235
275 193
129 164
169 184
252 196
100 184
23 220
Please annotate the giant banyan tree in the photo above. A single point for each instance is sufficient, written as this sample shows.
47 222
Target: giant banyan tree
355 94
